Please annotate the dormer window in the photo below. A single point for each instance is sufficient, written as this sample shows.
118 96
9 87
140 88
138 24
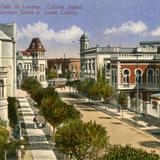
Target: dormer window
33 45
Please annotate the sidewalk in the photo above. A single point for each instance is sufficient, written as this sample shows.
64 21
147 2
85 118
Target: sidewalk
39 146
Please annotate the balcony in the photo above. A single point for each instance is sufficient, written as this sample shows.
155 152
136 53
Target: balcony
143 86
132 56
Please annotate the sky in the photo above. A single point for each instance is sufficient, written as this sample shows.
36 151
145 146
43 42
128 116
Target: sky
60 23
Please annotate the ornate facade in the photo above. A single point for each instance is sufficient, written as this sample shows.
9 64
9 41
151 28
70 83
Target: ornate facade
32 62
7 66
126 69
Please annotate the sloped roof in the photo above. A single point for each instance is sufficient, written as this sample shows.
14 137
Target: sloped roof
8 29
84 37
25 53
36 45
3 36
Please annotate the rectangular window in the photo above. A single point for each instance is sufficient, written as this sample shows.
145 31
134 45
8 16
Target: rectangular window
1 89
41 78
157 76
41 67
114 76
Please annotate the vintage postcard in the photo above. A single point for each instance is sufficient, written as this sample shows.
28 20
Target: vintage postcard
79 79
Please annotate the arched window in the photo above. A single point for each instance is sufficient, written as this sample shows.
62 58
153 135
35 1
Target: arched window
138 76
150 76
126 76
1 89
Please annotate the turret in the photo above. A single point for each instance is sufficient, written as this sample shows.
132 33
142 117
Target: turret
84 43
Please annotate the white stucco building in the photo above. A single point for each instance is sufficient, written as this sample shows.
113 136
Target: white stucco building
32 62
122 67
7 66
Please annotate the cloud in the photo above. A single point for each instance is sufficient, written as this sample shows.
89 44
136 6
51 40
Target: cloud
130 27
155 32
43 31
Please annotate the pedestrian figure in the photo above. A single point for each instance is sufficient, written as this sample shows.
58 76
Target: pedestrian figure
35 119
35 122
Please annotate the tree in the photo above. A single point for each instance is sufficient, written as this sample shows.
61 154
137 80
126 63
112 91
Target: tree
57 112
75 84
69 84
101 77
101 90
52 74
94 91
122 100
84 86
118 152
68 75
44 93
106 91
81 140
4 134
31 85
12 111
71 113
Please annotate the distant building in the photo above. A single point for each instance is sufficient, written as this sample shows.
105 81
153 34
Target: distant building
65 67
125 68
7 66
32 62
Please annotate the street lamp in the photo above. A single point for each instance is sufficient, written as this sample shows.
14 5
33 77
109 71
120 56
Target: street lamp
137 78
137 83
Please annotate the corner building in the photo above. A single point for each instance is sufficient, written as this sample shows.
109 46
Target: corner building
7 66
125 68
32 62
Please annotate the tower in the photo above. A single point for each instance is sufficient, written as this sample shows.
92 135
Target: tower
38 64
84 43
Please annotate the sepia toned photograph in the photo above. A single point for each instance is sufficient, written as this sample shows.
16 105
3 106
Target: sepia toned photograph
79 80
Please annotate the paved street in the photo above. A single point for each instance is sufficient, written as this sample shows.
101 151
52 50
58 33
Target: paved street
39 147
119 130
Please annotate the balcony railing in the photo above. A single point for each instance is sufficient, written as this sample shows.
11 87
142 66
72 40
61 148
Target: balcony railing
134 56
140 86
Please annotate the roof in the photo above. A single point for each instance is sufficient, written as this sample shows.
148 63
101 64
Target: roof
157 96
3 36
9 29
84 37
149 42
36 45
25 53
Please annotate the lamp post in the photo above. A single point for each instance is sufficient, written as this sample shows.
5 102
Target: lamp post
137 78
137 88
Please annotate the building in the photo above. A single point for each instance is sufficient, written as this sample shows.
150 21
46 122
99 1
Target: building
124 67
65 67
32 62
7 66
